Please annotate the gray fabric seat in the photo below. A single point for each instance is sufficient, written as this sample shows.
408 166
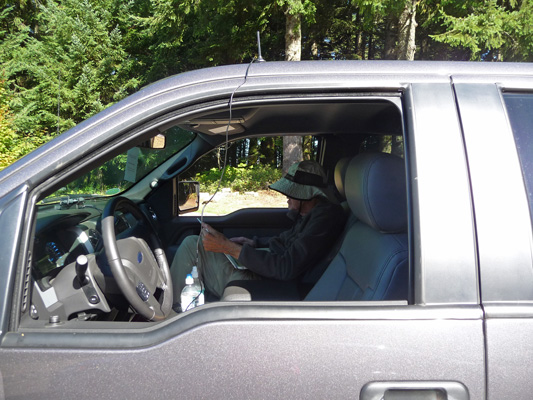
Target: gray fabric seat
372 262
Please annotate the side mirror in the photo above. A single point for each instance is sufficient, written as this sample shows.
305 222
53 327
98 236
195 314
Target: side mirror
188 196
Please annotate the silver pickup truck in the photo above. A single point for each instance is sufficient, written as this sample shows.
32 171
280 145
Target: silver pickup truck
426 294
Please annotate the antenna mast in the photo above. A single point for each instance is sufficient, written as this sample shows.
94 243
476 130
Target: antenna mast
259 58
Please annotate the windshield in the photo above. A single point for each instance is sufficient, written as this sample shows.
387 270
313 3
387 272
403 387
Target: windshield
124 170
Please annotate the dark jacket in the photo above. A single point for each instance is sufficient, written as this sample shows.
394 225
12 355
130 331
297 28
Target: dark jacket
295 251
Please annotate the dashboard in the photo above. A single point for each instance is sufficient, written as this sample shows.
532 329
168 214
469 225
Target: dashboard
67 286
61 235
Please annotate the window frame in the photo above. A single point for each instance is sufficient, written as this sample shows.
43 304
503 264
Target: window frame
503 237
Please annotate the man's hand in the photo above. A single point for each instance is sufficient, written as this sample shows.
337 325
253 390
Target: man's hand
243 240
216 242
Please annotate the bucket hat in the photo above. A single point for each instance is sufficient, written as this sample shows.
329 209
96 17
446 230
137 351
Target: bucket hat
303 181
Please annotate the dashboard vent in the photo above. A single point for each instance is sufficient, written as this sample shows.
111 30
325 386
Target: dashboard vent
94 238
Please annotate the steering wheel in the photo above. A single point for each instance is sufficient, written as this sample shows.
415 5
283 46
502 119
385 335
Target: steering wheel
139 269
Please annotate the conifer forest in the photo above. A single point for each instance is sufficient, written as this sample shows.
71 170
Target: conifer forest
62 61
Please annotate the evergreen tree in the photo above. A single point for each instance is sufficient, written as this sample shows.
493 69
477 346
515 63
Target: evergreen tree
68 66
7 135
65 60
491 30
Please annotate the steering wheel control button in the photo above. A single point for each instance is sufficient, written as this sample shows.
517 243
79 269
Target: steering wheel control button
143 291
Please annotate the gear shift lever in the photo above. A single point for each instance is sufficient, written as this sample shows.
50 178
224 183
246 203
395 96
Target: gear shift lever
81 269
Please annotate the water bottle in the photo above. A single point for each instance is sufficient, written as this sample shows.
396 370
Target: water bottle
189 294
198 284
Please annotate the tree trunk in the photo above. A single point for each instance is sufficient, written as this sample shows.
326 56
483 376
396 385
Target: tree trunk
370 47
389 45
359 50
292 145
406 32
292 151
293 37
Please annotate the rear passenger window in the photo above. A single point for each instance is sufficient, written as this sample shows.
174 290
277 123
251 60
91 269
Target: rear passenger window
383 144
520 111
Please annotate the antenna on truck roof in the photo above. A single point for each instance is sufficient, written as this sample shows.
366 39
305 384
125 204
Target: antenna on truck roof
259 57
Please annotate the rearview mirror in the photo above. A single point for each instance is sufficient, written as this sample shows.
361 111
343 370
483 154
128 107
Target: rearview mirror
158 142
188 196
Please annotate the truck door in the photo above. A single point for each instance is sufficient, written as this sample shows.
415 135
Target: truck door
432 345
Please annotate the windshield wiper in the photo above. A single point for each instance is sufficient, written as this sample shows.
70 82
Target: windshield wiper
68 201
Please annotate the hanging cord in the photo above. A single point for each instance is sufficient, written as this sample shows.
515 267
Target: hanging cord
226 146
58 100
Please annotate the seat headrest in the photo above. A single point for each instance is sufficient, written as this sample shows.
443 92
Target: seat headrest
340 175
375 188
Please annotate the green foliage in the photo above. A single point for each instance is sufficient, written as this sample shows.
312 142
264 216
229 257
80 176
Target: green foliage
239 179
7 135
65 60
12 145
356 29
305 8
69 64
491 30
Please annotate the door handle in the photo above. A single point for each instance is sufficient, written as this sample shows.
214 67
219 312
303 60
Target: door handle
420 390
